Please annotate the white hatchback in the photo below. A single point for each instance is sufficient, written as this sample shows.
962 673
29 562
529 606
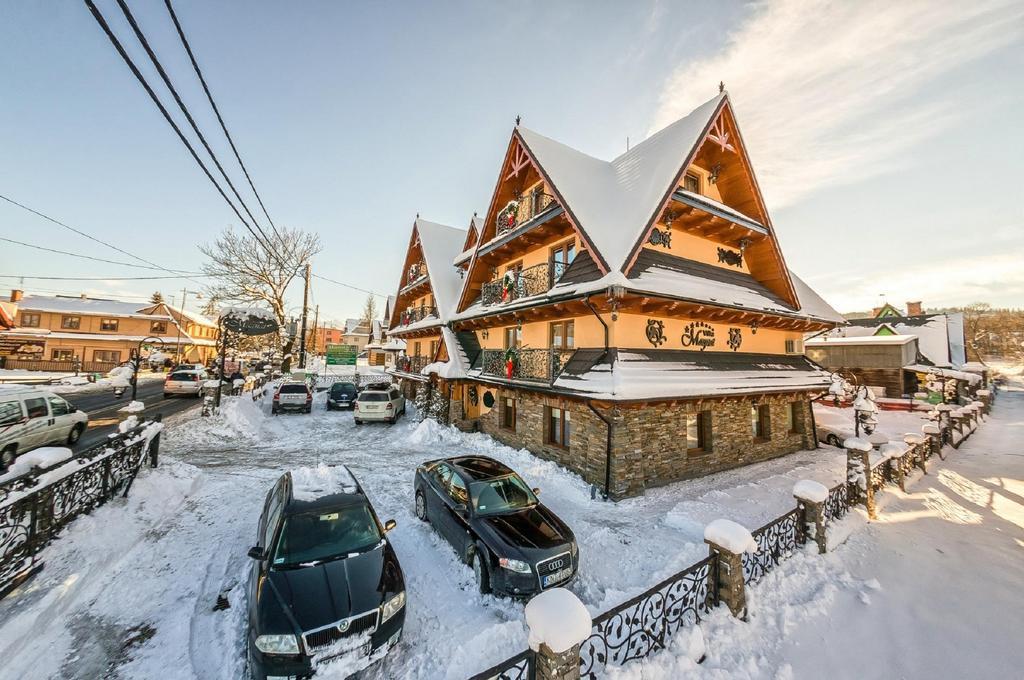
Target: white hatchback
188 382
379 404
31 417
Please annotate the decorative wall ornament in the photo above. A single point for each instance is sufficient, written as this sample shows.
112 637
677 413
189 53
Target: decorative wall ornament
716 170
473 396
730 257
753 327
656 332
660 238
735 338
698 334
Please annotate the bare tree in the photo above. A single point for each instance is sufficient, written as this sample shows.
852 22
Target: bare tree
369 311
245 273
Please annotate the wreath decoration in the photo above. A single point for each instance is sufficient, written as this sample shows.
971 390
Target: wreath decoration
508 285
473 397
507 216
511 361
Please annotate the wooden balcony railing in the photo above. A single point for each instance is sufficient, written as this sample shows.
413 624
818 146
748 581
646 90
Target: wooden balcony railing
529 364
525 283
520 211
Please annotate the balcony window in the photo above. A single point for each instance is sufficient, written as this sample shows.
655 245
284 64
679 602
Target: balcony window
72 323
561 257
416 350
559 426
513 337
508 413
794 346
691 182
561 334
158 327
29 320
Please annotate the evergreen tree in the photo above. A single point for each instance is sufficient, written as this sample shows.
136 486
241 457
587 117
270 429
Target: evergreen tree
156 298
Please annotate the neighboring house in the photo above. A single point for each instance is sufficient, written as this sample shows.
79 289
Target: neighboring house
385 350
326 335
878 361
633 320
357 332
96 333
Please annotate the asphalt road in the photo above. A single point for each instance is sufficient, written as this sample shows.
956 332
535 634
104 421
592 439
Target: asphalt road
102 408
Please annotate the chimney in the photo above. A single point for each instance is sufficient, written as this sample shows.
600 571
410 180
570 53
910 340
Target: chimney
914 308
16 295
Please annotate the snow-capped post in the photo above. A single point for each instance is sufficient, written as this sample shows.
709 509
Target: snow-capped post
934 434
893 455
944 421
959 421
727 541
810 500
979 408
858 471
917 442
985 396
558 623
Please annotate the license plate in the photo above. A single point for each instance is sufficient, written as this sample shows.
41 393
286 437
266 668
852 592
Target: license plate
362 650
557 577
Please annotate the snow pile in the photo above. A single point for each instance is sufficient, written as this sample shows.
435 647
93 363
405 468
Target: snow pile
878 439
857 444
891 450
913 438
558 619
128 423
310 483
430 432
811 491
43 457
74 380
133 407
729 535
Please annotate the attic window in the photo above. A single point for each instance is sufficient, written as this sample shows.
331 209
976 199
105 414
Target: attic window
691 182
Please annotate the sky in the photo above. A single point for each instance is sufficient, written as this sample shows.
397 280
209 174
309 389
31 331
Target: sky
887 137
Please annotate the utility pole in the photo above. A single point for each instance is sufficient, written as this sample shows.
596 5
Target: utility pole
305 310
316 323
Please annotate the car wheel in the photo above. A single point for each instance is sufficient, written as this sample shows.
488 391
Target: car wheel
8 456
480 571
75 434
359 422
834 441
421 507
166 396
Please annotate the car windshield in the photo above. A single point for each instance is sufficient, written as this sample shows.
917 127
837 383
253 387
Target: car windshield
374 396
503 494
328 534
296 388
343 388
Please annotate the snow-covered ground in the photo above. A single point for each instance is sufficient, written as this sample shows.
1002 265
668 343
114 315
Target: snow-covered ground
69 383
129 591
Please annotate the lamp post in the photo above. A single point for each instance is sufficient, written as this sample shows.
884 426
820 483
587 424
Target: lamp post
137 361
846 384
181 320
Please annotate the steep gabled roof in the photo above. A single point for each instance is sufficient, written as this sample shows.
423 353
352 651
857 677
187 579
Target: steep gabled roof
613 201
472 237
440 245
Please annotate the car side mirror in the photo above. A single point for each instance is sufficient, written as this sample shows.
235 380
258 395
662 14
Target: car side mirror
256 553
461 509
389 525
536 491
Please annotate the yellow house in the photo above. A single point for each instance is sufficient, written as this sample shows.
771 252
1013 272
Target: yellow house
633 319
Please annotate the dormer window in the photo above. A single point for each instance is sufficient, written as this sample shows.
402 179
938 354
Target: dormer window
691 182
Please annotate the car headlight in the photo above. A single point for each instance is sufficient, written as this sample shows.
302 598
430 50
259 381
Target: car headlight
392 606
277 644
514 565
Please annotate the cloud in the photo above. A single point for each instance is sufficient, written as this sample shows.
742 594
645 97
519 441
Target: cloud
826 87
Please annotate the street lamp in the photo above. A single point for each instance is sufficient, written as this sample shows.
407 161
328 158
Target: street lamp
845 384
137 361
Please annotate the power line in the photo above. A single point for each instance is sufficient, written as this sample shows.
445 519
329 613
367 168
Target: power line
348 285
86 257
216 111
95 278
98 16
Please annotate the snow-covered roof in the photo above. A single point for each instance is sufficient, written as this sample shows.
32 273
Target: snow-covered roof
940 337
972 378
825 341
440 244
613 201
198 319
65 304
457 365
60 335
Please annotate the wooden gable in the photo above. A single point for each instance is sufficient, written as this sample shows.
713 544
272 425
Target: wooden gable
413 254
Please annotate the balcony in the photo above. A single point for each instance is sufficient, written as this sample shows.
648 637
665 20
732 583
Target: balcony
416 275
543 365
416 314
413 364
521 211
522 284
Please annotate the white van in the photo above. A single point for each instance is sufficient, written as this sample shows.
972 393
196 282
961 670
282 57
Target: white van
31 417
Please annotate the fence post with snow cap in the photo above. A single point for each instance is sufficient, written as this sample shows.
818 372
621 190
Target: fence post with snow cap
959 420
985 396
727 541
558 623
934 433
858 471
810 500
893 455
917 442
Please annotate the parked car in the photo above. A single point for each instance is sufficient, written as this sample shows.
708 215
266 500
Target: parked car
341 395
31 417
325 581
833 428
492 518
184 381
380 402
292 395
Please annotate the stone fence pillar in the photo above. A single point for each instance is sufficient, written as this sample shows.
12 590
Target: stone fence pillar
917 442
893 455
558 623
934 434
958 419
979 409
858 471
727 541
985 396
810 500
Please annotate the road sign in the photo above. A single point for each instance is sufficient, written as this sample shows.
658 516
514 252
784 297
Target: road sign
342 355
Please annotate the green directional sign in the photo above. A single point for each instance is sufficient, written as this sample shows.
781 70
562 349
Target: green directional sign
342 355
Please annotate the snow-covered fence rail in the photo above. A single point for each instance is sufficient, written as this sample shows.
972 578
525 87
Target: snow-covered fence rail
776 541
37 504
837 504
522 666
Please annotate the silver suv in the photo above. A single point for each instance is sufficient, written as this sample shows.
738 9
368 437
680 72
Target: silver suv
379 403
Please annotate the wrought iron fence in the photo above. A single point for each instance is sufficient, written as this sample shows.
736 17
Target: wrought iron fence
528 363
414 314
58 366
522 666
647 622
522 284
36 505
413 364
776 541
522 210
837 503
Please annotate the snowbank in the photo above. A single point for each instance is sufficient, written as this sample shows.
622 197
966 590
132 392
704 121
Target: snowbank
810 490
558 619
133 407
42 457
732 536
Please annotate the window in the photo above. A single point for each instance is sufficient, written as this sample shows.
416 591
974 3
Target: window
443 474
158 327
62 354
314 536
10 412
760 422
697 432
794 346
561 334
273 516
71 322
108 324
433 349
559 426
515 267
537 199
29 320
59 407
107 356
794 417
508 413
457 490
691 182
416 349
513 336
36 407
561 257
